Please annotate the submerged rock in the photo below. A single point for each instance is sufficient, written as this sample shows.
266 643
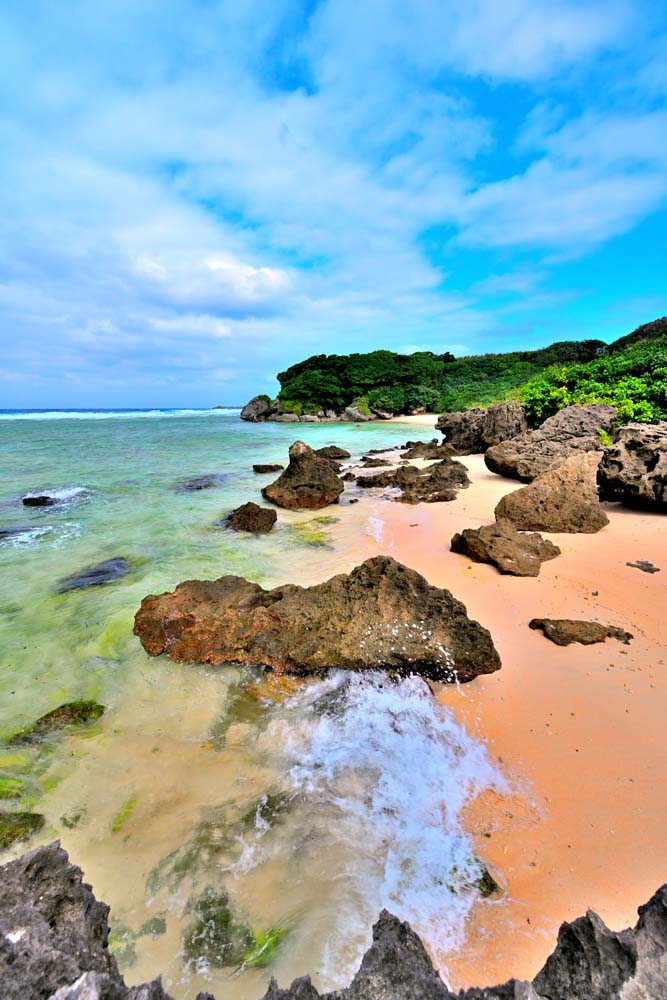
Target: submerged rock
308 483
97 575
198 483
251 517
12 532
510 551
575 428
633 469
54 946
564 499
564 631
72 713
380 616
435 483
216 936
270 467
17 826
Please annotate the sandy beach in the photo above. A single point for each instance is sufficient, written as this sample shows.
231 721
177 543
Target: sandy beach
578 730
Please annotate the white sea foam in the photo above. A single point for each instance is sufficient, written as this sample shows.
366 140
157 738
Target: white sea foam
62 494
27 537
112 414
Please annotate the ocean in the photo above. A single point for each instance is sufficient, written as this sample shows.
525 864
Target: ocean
305 806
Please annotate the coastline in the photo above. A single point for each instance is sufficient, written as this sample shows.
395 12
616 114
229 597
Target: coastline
578 730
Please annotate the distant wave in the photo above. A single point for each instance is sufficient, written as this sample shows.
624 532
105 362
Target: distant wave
112 414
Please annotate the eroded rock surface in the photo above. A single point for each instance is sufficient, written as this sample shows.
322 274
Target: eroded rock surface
529 455
267 467
433 484
258 408
562 500
251 517
473 431
333 451
564 631
429 450
510 551
309 482
633 469
380 616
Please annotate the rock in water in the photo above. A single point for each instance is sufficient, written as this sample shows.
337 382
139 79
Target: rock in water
308 483
380 616
575 428
473 431
95 576
562 500
197 483
252 517
634 468
18 826
511 551
564 631
332 451
258 408
72 713
269 467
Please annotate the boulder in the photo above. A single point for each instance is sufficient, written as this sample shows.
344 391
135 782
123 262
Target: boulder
473 431
510 551
503 421
39 500
428 450
562 500
258 408
72 713
308 483
284 418
95 576
529 455
267 467
380 616
564 631
207 482
633 469
435 483
333 451
353 414
370 462
252 517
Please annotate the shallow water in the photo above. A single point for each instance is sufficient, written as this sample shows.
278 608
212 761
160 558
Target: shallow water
312 805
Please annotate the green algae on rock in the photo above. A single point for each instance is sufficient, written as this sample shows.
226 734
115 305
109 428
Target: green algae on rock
17 826
72 713
124 814
216 936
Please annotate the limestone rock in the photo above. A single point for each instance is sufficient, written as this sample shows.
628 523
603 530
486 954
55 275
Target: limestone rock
333 451
511 551
503 421
283 418
564 631
435 483
562 500
529 455
259 408
354 415
433 450
252 517
308 483
634 468
380 616
267 467
473 431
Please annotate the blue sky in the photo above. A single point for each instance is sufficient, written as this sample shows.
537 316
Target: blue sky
195 194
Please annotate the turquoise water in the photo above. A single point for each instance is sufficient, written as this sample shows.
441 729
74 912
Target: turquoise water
184 753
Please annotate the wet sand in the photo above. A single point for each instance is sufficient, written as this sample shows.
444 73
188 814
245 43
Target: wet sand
580 730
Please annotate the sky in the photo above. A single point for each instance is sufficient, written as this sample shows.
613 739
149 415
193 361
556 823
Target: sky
195 194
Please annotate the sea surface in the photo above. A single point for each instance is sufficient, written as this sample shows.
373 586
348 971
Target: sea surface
308 805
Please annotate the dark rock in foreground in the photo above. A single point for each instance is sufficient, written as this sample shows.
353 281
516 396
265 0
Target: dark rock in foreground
380 616
95 576
472 431
575 428
40 500
565 499
564 631
269 467
308 483
435 483
634 468
511 551
54 946
252 517
72 713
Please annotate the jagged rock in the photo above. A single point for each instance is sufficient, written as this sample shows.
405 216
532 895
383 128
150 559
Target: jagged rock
633 469
274 467
375 463
473 431
575 428
40 500
94 576
308 483
252 517
353 414
564 631
511 551
380 616
258 408
429 450
197 483
284 418
332 451
433 484
644 565
562 500
72 713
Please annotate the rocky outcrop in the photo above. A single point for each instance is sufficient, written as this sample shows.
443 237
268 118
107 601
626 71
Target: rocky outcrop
283 417
433 450
267 467
575 428
510 551
258 408
564 631
473 431
54 946
308 483
333 451
97 575
435 483
353 414
380 616
251 517
562 500
633 469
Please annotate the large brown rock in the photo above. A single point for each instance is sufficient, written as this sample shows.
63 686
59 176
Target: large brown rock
563 500
432 484
333 451
564 631
575 428
503 421
473 431
634 468
380 616
500 544
433 450
308 483
251 517
258 408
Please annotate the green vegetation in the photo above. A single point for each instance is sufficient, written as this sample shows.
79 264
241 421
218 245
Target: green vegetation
16 826
216 936
399 383
124 814
73 713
